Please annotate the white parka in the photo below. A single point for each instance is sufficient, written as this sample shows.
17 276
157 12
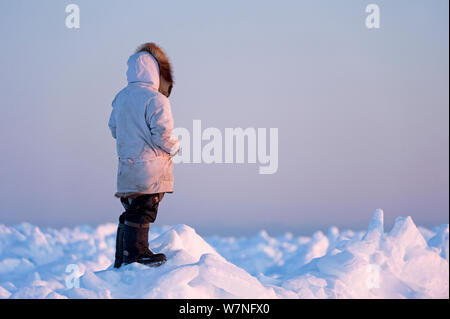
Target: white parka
141 122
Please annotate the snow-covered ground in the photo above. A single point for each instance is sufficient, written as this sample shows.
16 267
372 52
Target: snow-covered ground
406 262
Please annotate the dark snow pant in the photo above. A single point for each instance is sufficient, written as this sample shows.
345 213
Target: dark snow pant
142 209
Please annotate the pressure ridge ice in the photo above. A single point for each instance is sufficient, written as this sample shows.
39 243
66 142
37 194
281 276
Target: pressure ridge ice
406 262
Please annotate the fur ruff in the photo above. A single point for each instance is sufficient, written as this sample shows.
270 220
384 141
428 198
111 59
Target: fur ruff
165 68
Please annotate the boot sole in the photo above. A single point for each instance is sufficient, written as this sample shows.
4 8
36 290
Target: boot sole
155 264
149 264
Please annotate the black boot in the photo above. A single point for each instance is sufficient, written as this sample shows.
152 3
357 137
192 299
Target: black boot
135 245
119 246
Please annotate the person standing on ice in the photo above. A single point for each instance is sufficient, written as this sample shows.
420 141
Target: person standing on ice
141 122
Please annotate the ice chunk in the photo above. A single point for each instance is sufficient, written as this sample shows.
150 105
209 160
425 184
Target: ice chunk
376 226
440 241
406 234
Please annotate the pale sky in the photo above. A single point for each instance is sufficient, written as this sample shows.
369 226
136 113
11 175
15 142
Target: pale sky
362 115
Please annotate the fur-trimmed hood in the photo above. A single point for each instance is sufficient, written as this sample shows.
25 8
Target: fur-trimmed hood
148 64
165 68
142 67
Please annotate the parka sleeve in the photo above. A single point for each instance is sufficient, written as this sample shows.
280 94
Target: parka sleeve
112 122
160 123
